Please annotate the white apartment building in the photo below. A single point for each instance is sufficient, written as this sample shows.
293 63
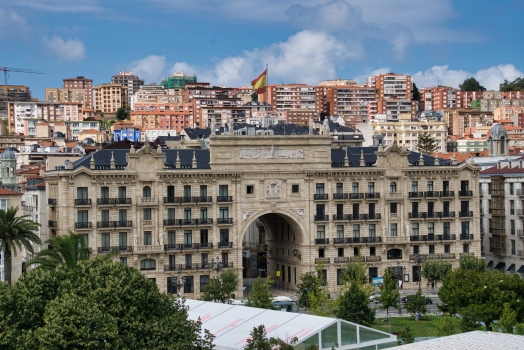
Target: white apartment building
154 94
26 114
406 133
109 97
292 96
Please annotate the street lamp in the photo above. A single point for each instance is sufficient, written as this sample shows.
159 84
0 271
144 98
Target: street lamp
215 264
419 258
178 282
399 275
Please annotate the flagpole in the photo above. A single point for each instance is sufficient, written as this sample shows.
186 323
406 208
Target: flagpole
267 97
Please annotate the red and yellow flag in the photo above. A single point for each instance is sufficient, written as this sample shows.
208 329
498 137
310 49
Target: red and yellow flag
260 83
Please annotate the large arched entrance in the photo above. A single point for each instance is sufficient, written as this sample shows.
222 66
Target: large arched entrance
273 246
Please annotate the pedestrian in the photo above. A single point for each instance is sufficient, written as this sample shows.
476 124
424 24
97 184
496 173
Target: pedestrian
432 285
417 316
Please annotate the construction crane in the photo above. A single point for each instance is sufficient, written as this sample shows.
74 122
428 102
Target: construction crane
19 70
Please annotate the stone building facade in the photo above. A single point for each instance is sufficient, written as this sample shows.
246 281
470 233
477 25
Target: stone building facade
173 213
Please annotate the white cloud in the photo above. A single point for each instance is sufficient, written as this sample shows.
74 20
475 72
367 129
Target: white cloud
12 24
65 50
490 77
306 57
151 68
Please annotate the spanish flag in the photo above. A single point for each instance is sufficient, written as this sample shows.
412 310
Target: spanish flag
260 83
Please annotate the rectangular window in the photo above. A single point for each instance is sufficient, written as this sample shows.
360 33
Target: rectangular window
294 188
83 216
414 229
393 229
224 235
340 209
122 192
372 251
447 248
431 228
104 192
122 239
430 186
340 252
371 187
188 260
355 210
148 238
187 191
122 215
431 207
320 209
189 284
171 285
321 231
445 186
146 214
223 213
511 188
283 273
414 186
187 214
340 231
81 193
372 230
188 237
340 277
431 249
250 189
171 237
204 282
319 188
171 213
464 185
446 228
416 249
222 190
204 236
225 259
203 213
203 259
104 215
416 273
465 247
465 227
339 188
123 260
171 260
445 207
354 187
203 190
512 247
3 204
356 230
356 251
105 240
393 208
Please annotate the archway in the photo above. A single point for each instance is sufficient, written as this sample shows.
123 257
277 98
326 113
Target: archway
273 245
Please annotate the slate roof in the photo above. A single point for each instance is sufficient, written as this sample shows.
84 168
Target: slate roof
370 158
194 134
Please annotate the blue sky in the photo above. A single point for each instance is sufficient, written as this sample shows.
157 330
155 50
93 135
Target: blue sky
228 42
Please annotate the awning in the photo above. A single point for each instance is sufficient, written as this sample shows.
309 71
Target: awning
490 264
500 265
521 269
511 267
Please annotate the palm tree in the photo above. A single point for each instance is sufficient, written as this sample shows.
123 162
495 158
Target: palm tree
16 232
65 250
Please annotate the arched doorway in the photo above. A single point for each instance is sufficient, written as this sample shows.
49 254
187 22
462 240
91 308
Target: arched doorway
272 246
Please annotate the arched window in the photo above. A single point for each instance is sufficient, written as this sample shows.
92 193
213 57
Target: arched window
394 254
393 187
147 264
502 146
146 192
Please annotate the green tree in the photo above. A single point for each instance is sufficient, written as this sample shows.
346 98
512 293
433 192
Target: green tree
472 263
16 232
66 250
260 295
388 292
417 302
416 93
471 84
122 114
353 306
99 304
258 340
355 271
221 288
480 296
254 97
515 85
447 326
508 320
435 270
406 336
309 285
426 143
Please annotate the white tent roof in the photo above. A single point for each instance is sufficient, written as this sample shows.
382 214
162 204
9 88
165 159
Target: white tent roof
476 340
232 324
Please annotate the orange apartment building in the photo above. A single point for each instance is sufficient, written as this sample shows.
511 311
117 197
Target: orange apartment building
351 102
81 82
109 97
439 97
394 94
292 96
459 119
170 116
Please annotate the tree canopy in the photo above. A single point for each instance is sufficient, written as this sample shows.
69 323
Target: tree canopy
260 295
471 84
388 291
99 304
426 143
122 114
353 306
480 296
65 250
16 233
435 270
515 85
416 302
416 93
221 288
472 263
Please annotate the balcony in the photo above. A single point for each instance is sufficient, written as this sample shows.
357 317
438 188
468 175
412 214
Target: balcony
372 216
83 225
224 199
394 195
171 200
520 212
103 250
322 260
341 260
225 244
148 249
356 196
396 239
124 223
464 193
321 197
29 208
363 240
416 194
52 224
51 201
431 194
338 196
343 217
173 246
82 202
373 258
122 249
374 195
520 192
450 256
467 254
186 222
185 199
105 201
170 222
203 199
204 221
205 245
122 201
418 215
321 241
224 221
339 240
148 201
465 214
445 237
446 194
105 224
446 214
321 217
466 236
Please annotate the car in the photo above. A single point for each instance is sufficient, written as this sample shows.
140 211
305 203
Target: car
406 300
374 295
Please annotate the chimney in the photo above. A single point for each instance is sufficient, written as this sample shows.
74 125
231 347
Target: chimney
498 164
